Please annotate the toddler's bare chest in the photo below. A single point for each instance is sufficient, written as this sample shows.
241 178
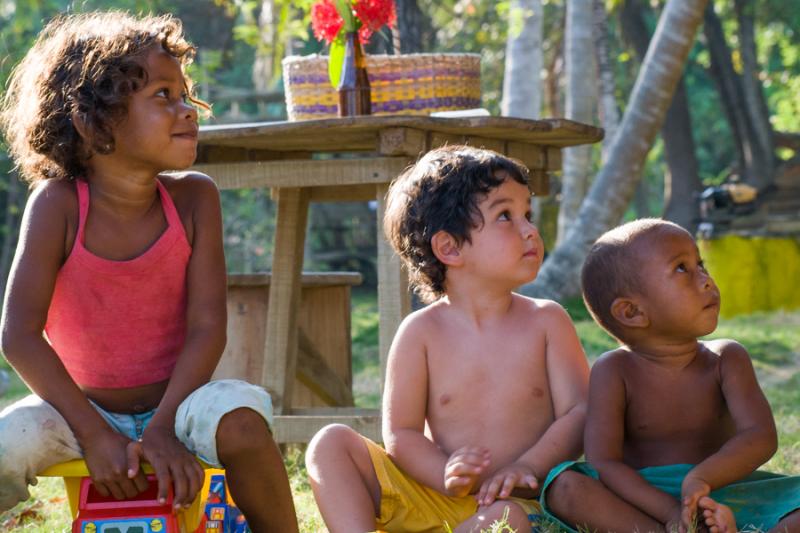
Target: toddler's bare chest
688 409
481 378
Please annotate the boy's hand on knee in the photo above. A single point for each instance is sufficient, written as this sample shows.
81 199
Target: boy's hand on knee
504 481
172 464
692 490
107 460
463 469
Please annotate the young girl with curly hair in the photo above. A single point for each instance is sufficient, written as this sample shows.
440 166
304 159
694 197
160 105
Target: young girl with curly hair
115 311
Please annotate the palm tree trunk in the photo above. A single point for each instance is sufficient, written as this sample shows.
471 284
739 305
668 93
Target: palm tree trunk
682 179
616 182
580 97
609 111
522 86
414 28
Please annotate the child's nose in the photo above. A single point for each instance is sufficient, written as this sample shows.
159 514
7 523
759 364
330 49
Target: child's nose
189 111
529 229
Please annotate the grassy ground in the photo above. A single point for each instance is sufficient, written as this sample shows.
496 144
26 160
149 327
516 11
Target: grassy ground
773 340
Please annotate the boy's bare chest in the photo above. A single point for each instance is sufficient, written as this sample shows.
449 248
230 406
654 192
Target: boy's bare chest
676 412
471 375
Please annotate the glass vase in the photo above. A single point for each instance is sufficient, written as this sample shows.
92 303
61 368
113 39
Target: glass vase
354 91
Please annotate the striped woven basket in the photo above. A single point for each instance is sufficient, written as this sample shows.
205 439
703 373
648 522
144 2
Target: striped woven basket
408 84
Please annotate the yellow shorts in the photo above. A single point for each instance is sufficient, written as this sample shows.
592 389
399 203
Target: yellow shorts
409 506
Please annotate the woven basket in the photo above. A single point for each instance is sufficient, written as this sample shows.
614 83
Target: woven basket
409 84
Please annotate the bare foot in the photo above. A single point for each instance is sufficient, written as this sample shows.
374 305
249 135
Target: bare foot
718 517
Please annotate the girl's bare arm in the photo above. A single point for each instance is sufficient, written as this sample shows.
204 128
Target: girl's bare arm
40 253
205 340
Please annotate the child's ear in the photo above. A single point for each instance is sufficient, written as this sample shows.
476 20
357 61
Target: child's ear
80 126
628 313
446 249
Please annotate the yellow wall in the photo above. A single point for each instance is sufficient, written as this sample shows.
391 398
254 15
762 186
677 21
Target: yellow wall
754 273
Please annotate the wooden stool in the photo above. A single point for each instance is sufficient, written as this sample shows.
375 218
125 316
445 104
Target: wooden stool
92 512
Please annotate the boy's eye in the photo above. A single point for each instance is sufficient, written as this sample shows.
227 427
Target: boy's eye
681 267
701 265
163 93
529 216
505 215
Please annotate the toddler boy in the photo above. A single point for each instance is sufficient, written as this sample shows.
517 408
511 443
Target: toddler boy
485 389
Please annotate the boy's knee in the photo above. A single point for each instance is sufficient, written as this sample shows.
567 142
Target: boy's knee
566 489
332 440
241 430
515 515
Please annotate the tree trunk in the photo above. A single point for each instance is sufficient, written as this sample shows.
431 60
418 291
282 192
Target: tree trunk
264 62
522 86
616 182
757 111
682 179
580 97
752 159
414 28
609 112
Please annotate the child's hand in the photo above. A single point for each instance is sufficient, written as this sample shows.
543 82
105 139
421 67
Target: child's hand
113 470
500 485
692 490
463 469
674 524
172 463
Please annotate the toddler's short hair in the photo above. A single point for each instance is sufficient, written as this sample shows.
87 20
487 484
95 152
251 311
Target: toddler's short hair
85 65
441 192
609 271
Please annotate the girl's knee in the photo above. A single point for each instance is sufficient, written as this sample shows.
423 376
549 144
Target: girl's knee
241 430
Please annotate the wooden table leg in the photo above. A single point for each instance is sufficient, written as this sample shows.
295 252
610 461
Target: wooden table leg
280 346
394 301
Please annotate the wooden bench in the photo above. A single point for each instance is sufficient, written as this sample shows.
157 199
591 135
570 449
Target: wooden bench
324 376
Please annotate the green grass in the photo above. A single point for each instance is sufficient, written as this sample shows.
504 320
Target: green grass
773 340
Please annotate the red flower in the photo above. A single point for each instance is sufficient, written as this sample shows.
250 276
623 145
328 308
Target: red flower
325 21
374 14
371 15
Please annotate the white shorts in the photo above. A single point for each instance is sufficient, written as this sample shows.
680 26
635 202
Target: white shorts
34 435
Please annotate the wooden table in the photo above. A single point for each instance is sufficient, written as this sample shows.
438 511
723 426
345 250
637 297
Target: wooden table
352 159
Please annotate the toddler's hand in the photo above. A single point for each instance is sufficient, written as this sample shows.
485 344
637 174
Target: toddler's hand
109 465
673 524
500 485
692 490
463 469
172 463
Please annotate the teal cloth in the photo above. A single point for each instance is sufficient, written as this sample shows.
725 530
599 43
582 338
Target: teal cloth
759 501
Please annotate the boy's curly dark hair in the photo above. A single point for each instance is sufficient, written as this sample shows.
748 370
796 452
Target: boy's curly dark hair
83 66
441 192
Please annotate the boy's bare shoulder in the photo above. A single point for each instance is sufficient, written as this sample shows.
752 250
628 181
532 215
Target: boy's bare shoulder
546 313
731 356
422 321
725 348
613 361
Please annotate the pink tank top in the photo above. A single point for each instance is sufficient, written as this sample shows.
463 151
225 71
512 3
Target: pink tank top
119 324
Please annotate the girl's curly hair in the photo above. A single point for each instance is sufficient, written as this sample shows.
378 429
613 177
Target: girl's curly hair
82 67
442 192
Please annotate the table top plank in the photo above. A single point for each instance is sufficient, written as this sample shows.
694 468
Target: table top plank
354 134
